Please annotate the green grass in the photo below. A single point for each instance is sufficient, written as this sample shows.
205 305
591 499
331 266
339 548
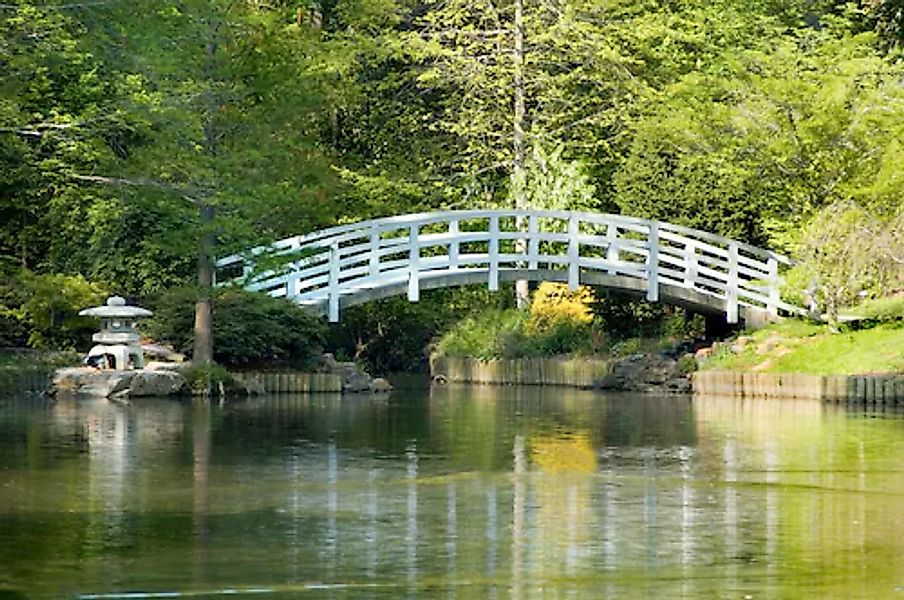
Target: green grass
795 346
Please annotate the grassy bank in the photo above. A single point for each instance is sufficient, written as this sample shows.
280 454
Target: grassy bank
795 346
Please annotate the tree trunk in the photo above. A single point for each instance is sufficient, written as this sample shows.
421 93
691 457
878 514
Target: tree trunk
203 348
522 291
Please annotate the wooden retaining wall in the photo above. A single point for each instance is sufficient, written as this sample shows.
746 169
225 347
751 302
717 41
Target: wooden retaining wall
16 381
846 389
575 372
293 382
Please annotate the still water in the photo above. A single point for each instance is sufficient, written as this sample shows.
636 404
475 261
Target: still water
459 492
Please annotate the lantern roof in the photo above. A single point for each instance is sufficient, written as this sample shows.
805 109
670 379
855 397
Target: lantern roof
116 307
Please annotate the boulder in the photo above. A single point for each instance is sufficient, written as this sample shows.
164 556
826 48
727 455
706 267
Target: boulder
380 386
120 384
646 373
156 383
354 378
91 382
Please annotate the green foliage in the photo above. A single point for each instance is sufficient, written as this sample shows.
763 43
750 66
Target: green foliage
42 311
249 328
848 251
207 379
882 310
394 335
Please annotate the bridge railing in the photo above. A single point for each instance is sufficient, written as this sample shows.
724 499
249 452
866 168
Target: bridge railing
326 265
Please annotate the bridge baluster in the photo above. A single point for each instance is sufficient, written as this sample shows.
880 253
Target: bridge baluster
414 260
453 245
774 297
494 253
653 262
533 245
611 248
690 264
573 253
731 306
333 284
374 263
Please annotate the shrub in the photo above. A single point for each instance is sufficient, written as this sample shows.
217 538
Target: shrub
554 304
42 311
249 328
207 379
883 310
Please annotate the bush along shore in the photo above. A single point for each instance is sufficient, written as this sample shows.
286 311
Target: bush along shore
559 342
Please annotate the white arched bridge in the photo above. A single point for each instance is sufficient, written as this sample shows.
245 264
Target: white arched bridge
351 264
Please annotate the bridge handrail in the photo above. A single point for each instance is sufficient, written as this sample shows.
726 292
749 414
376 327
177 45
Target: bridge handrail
424 218
347 259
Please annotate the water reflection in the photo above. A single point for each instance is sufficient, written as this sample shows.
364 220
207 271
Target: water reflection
488 492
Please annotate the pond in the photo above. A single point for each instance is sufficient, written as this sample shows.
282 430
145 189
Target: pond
456 492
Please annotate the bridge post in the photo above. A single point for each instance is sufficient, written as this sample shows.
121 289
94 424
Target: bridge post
533 244
731 301
653 262
611 248
574 272
690 264
374 263
333 284
494 253
414 256
453 245
774 297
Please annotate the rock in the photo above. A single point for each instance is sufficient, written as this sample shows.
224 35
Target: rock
736 348
117 384
162 352
610 382
354 378
164 366
645 373
380 386
703 354
355 381
91 382
156 383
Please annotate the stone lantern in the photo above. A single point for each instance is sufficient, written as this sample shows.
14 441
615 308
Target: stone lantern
117 341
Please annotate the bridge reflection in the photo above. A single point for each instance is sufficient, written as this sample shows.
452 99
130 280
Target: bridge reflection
473 491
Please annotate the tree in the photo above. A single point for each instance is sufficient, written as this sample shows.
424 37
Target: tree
755 146
848 251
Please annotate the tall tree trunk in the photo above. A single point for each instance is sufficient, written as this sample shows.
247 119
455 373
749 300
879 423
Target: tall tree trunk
522 291
203 348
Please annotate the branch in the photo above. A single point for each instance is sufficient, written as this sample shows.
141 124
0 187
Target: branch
59 6
120 182
36 130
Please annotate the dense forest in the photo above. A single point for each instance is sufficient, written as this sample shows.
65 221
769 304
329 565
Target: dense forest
139 139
